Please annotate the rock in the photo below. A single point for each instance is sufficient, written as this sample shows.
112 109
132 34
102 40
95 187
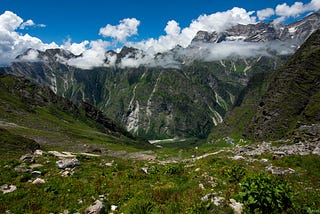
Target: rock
238 157
316 151
67 163
35 165
22 168
36 173
114 207
279 171
279 153
229 140
201 186
207 197
38 181
62 155
80 201
7 188
66 173
96 208
145 170
102 197
215 200
236 206
27 158
218 200
109 164
38 152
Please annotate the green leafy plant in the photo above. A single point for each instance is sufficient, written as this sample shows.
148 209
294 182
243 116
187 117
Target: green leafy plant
263 193
235 173
173 169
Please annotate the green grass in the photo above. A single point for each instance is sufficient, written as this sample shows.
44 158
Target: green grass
170 188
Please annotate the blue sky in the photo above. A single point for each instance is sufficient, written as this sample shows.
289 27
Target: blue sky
81 20
93 26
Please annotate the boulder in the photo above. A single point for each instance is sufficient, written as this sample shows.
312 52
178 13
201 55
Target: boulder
96 208
36 173
27 158
67 163
238 157
216 200
22 168
316 151
6 188
38 181
236 206
38 152
145 170
279 171
114 207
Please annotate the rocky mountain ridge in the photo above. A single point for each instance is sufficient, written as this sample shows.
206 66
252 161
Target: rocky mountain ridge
296 32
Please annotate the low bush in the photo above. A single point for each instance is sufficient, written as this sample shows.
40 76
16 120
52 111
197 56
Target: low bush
263 193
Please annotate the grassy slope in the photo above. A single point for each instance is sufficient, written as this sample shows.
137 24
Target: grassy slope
35 112
292 95
170 188
12 144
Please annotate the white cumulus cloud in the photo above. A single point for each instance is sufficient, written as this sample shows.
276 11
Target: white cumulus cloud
126 28
75 48
285 11
294 10
94 56
218 22
265 13
13 43
30 23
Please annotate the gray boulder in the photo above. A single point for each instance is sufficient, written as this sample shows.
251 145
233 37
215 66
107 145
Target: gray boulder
27 158
67 163
96 208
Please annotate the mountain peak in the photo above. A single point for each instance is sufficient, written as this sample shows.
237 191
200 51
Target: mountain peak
261 32
50 55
